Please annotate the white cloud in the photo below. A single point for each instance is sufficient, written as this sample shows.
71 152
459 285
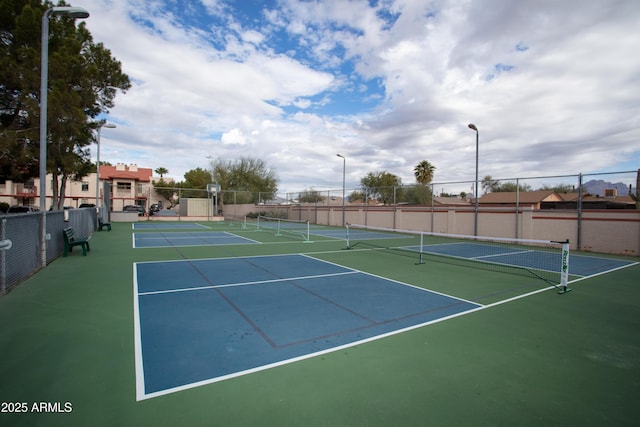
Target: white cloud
233 137
552 87
253 37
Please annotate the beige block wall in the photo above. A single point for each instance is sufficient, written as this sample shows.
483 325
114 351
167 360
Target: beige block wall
610 231
604 231
196 207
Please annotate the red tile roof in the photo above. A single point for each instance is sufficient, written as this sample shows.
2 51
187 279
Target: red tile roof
539 196
111 172
450 201
523 197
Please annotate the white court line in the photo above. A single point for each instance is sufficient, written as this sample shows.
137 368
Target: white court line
257 282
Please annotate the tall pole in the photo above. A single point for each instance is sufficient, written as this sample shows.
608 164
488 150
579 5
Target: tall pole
344 167
74 12
44 77
98 170
475 211
100 126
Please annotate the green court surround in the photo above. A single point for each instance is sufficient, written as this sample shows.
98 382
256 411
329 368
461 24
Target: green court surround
547 359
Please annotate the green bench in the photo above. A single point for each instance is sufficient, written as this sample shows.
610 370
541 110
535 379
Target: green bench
70 241
102 224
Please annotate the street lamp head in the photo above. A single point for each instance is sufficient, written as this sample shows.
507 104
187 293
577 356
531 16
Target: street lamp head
340 155
109 125
70 11
472 126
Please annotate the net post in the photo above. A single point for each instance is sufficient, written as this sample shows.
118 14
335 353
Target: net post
307 238
347 236
278 229
564 271
421 261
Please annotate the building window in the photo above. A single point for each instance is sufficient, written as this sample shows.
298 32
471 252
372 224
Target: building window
123 186
85 186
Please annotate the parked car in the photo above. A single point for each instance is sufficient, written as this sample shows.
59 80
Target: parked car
21 209
87 205
135 208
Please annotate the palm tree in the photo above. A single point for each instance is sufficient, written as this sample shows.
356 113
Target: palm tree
161 171
424 172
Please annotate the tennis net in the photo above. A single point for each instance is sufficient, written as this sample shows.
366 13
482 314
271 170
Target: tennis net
236 220
544 259
285 227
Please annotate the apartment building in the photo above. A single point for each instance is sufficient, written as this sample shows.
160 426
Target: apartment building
122 184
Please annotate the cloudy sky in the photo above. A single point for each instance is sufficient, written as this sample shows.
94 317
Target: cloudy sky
553 86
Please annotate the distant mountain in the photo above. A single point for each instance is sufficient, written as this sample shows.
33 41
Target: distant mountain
597 187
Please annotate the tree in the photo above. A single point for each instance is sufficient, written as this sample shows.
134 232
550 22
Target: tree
512 187
166 190
310 196
161 171
424 172
561 188
357 196
92 166
383 186
83 81
489 185
19 88
250 178
197 178
417 195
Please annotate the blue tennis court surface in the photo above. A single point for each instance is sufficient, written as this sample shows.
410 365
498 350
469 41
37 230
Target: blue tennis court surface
167 226
197 238
202 321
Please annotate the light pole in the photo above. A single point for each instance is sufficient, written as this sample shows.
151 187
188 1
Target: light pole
102 124
73 12
475 215
344 166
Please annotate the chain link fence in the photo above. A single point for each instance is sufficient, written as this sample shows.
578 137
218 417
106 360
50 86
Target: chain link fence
582 207
580 185
431 207
24 257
